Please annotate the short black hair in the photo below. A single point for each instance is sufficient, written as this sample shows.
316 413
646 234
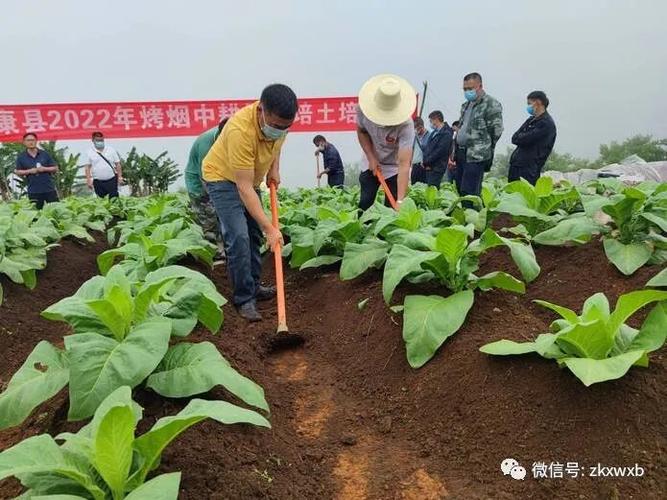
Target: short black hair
538 95
318 138
222 124
437 115
28 134
473 76
456 123
418 121
96 134
280 100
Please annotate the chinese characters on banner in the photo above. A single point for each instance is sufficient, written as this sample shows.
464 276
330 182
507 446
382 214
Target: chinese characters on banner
158 119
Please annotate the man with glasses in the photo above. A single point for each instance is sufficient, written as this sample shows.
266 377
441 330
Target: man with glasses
37 168
245 153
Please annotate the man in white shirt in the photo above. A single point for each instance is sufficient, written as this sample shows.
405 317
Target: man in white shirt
103 169
386 134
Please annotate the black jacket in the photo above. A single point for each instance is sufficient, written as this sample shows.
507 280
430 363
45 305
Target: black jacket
534 140
438 147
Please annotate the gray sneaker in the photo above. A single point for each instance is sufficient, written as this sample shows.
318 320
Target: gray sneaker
249 312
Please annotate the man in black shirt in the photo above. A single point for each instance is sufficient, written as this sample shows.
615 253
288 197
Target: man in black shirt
534 140
37 167
438 149
333 165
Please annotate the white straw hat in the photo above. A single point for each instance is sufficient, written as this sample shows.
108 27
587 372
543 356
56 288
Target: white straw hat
387 100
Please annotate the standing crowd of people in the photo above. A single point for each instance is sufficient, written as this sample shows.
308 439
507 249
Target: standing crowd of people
228 163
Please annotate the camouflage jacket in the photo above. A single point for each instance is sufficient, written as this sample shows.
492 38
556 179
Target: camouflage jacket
486 127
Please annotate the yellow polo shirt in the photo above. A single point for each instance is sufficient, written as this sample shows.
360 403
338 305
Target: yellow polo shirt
241 146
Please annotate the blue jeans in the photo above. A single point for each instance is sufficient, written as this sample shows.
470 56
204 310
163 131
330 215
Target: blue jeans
468 177
242 237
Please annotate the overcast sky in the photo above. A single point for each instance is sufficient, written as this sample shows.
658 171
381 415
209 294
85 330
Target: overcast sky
603 64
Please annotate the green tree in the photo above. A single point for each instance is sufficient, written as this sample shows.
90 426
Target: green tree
8 154
352 171
69 177
565 162
644 146
146 175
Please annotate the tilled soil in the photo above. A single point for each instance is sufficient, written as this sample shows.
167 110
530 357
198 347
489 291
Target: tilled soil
352 420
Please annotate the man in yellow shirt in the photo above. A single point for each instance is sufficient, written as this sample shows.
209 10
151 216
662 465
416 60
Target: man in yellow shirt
247 152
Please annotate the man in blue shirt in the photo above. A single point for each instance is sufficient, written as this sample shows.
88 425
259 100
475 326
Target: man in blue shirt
37 168
333 165
436 153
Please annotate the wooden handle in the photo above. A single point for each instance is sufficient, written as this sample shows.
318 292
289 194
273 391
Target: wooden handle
278 259
318 170
387 193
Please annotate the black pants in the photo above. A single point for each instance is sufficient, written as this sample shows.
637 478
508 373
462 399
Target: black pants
336 179
40 198
531 173
434 177
369 189
417 174
108 187
468 176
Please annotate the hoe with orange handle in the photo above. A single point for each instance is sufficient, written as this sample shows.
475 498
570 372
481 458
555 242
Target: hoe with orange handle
282 338
387 192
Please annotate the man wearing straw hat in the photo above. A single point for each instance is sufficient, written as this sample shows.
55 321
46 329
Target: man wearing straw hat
386 134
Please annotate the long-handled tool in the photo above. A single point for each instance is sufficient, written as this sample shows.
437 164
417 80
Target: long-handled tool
317 157
387 192
282 338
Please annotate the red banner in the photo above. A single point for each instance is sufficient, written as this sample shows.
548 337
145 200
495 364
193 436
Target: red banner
157 119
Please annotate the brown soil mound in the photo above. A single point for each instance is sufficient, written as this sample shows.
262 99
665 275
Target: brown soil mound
352 420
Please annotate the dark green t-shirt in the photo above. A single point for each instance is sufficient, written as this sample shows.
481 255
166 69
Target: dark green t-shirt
193 178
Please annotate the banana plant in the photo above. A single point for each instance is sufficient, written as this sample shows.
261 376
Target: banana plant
106 460
597 345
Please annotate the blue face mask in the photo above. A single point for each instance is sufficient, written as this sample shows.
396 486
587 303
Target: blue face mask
272 133
99 144
470 95
530 110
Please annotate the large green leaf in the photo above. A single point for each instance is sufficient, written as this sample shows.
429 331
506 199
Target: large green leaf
401 262
653 332
524 257
99 365
576 229
42 375
592 371
320 260
164 487
41 454
429 320
451 242
627 258
588 340
77 313
508 348
112 448
359 257
656 219
499 279
659 279
629 303
165 430
188 369
565 313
